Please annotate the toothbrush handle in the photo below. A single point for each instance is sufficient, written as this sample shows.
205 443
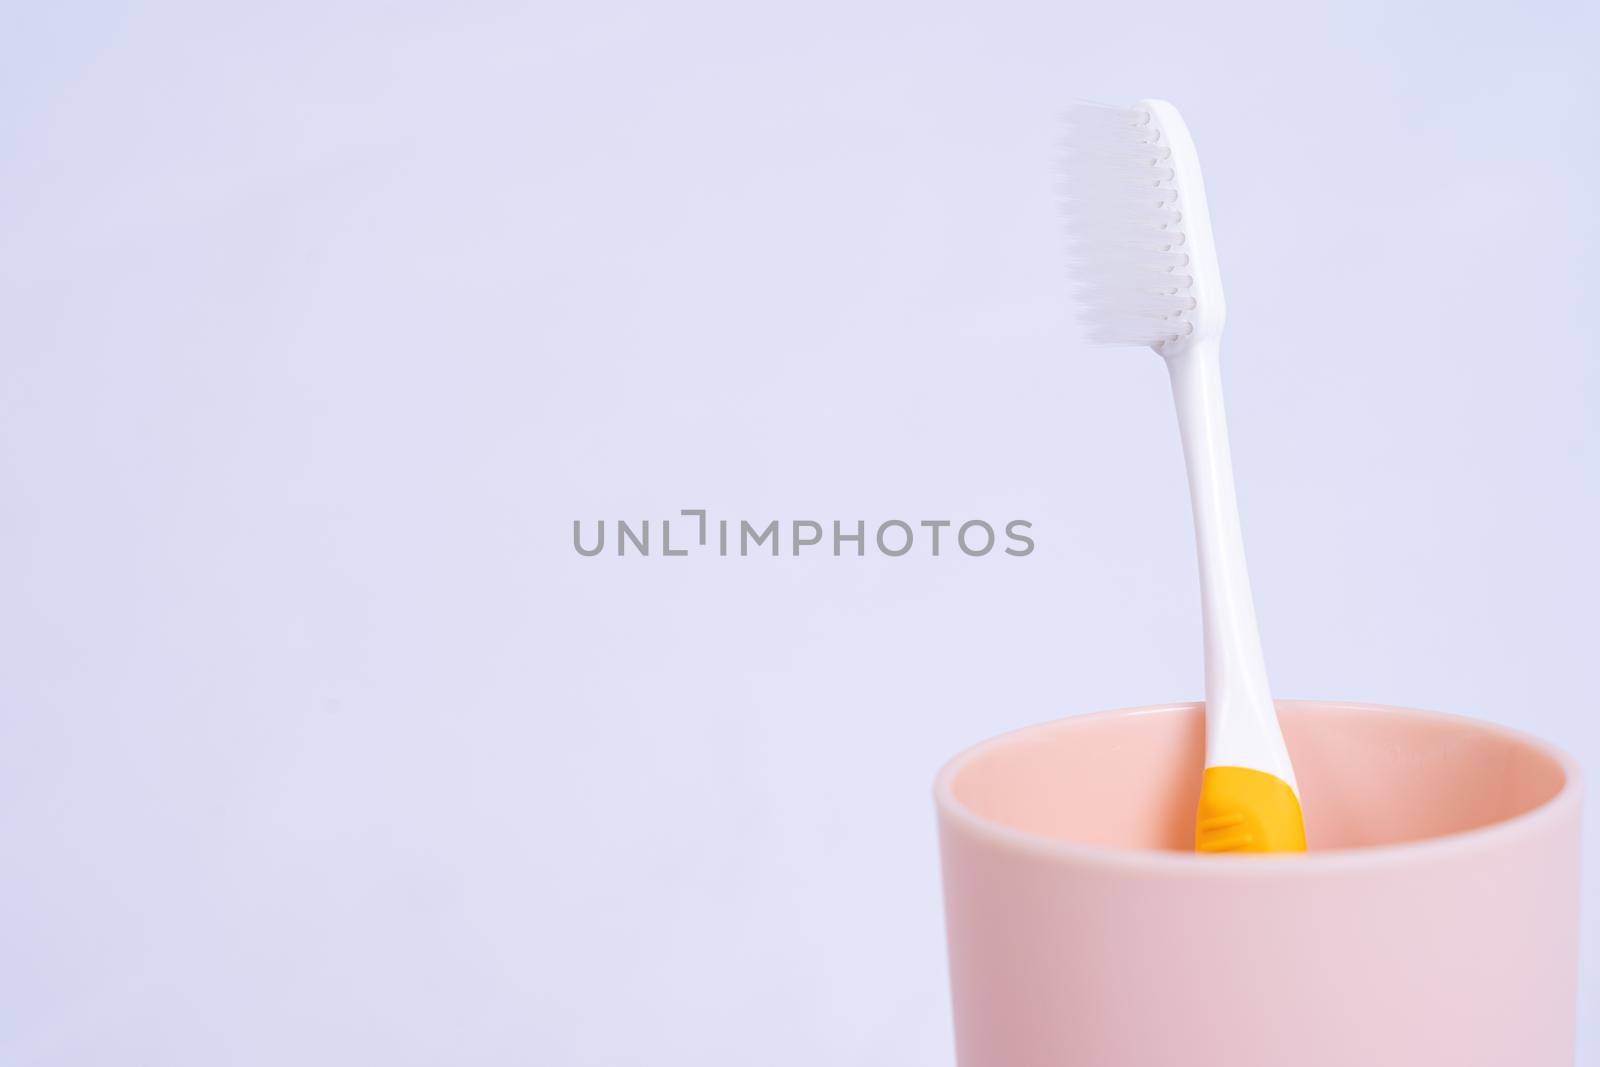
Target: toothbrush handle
1241 722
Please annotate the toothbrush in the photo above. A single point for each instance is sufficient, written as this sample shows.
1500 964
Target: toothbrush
1147 274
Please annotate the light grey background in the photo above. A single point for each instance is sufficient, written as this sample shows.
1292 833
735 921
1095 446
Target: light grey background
319 324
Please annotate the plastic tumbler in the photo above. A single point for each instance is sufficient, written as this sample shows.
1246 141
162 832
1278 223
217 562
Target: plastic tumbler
1433 922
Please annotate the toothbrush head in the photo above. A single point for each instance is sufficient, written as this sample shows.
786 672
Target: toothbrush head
1142 257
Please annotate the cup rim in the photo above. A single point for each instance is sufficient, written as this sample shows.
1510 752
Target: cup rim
1161 862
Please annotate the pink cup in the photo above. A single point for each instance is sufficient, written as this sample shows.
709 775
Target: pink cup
1433 924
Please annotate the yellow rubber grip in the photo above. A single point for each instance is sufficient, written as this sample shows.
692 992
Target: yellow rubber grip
1244 810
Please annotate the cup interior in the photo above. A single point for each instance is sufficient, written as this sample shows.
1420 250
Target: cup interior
1368 776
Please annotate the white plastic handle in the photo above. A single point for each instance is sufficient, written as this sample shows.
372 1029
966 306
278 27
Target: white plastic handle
1241 722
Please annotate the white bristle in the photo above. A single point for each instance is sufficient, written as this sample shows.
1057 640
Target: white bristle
1128 258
